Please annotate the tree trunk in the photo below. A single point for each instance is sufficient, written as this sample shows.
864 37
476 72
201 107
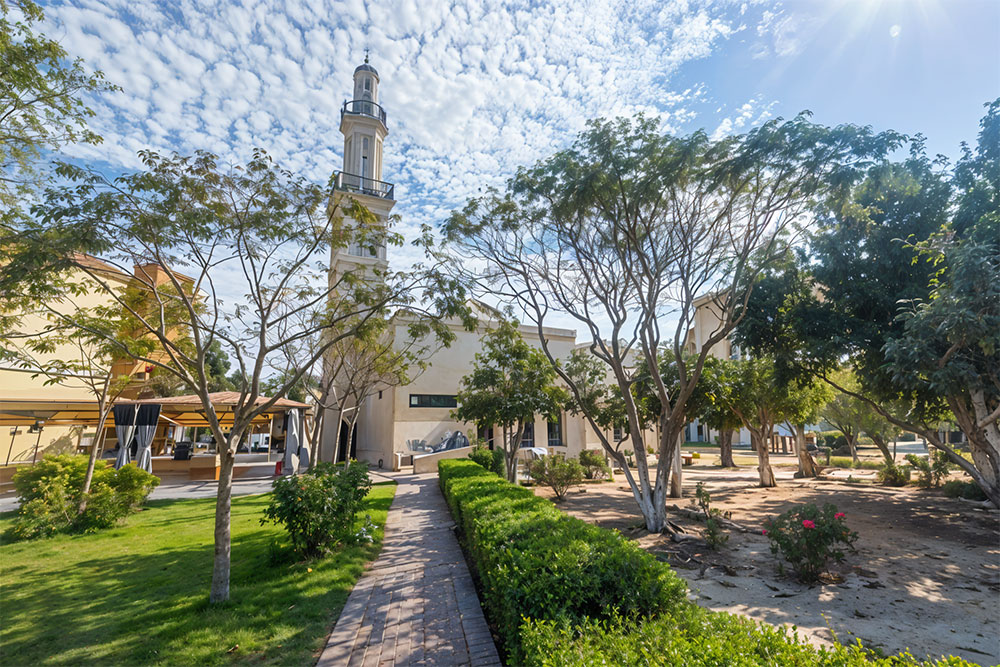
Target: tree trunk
92 461
317 434
883 447
676 486
340 425
852 443
726 448
223 509
807 467
763 459
983 434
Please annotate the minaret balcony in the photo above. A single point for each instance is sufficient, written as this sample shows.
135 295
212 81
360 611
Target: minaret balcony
363 185
363 108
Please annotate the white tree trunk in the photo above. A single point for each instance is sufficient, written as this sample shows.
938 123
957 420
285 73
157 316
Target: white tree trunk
807 467
763 460
223 510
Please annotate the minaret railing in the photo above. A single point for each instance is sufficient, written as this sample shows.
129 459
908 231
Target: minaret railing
363 185
363 108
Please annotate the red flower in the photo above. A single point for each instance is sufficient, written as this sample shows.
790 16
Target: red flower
806 523
764 532
839 515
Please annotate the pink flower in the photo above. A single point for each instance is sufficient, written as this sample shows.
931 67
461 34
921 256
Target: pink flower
806 523
764 532
839 515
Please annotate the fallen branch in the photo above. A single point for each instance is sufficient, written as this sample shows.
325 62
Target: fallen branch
699 516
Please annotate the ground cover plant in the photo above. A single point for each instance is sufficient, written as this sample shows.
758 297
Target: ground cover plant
50 493
594 465
491 459
137 594
542 602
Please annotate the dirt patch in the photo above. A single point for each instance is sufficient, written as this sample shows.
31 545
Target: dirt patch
925 578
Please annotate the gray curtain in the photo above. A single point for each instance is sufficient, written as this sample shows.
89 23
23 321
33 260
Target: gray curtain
145 428
292 443
124 430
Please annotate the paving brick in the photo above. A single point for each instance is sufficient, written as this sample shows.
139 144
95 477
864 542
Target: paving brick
416 605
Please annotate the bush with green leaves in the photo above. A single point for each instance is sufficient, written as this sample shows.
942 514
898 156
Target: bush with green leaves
693 637
891 474
594 465
491 459
808 537
930 469
958 488
534 561
318 508
556 472
50 492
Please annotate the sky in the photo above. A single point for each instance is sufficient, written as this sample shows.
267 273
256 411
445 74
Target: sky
475 89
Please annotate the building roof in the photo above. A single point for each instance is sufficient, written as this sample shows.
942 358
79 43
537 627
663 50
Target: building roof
218 398
365 67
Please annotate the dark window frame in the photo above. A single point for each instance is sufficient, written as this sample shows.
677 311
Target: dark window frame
433 401
559 440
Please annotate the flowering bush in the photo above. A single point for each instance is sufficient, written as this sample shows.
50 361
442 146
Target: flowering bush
318 508
808 536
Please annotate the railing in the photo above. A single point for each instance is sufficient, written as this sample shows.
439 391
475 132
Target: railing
363 185
363 108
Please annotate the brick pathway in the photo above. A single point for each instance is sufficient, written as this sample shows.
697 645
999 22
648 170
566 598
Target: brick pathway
417 604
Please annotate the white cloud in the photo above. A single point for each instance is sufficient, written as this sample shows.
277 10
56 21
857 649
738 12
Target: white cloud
472 90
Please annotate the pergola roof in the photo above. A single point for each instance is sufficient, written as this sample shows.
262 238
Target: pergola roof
180 410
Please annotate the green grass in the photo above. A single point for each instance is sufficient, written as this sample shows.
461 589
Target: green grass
847 462
138 594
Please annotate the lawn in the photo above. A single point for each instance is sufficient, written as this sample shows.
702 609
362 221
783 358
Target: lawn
138 594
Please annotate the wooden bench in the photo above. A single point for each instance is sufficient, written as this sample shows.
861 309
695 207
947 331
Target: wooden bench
687 458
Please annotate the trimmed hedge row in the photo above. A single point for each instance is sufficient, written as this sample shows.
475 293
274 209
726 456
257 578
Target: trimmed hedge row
564 593
536 562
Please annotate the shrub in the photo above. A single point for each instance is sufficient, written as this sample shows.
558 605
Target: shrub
958 488
491 459
594 465
51 490
891 474
693 637
807 537
714 535
318 508
931 469
534 561
556 472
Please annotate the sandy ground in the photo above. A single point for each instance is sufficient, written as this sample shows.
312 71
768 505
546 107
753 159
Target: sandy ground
925 578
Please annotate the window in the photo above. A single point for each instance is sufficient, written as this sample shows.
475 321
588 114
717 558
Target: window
617 434
555 432
433 401
528 437
485 433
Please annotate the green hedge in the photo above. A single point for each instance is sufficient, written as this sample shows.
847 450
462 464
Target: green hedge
534 561
562 592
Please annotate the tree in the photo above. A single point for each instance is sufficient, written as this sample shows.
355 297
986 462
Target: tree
510 383
254 242
804 404
629 227
950 343
713 411
760 401
845 411
42 104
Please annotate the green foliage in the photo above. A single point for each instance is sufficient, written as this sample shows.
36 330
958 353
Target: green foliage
714 535
157 562
930 469
557 472
535 562
594 465
957 488
510 383
891 474
491 459
692 637
860 464
51 490
807 537
317 508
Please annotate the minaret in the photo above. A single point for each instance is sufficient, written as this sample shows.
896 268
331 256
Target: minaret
363 124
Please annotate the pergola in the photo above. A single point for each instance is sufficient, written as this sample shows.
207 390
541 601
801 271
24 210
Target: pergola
177 410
